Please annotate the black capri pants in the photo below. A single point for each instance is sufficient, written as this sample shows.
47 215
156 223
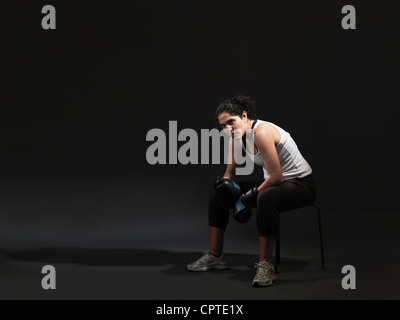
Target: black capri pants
291 194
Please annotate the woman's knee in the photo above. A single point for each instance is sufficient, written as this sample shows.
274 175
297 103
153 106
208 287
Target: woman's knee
267 196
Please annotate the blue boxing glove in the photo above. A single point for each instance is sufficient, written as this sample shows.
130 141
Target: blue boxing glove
242 209
227 189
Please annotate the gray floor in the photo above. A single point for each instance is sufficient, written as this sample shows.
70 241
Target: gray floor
160 274
107 253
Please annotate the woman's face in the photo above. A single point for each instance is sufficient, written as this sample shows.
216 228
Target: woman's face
233 124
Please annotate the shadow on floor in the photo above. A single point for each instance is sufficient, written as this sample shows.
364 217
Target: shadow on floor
241 265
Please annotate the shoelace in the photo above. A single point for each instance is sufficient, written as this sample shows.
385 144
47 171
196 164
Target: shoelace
207 257
262 269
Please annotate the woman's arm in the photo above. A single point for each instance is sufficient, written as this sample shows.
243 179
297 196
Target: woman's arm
230 168
265 140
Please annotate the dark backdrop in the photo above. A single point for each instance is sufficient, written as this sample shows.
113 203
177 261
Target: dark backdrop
78 101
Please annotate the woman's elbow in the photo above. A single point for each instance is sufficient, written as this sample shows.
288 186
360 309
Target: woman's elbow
277 180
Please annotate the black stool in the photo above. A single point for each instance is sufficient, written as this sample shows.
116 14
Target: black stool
278 242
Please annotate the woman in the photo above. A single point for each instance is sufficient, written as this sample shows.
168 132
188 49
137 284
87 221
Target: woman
287 184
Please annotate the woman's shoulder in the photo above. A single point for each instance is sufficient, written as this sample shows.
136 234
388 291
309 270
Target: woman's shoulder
266 129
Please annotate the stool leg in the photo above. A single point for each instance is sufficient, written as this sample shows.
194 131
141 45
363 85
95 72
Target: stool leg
277 253
320 236
278 250
278 247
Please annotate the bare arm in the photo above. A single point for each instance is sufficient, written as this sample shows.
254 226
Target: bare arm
264 138
230 168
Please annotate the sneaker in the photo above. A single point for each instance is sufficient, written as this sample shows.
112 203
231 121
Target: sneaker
208 262
265 274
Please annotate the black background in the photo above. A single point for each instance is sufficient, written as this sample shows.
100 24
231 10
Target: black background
78 101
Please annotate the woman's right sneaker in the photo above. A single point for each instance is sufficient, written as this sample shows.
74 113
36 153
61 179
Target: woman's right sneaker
208 262
265 274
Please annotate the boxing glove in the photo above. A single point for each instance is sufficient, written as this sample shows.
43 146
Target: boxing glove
242 210
227 189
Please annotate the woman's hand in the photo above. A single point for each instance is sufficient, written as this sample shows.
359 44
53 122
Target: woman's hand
248 197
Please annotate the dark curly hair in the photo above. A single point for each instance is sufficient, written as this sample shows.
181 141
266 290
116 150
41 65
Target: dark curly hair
236 105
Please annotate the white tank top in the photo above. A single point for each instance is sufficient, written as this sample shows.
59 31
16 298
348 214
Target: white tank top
293 164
